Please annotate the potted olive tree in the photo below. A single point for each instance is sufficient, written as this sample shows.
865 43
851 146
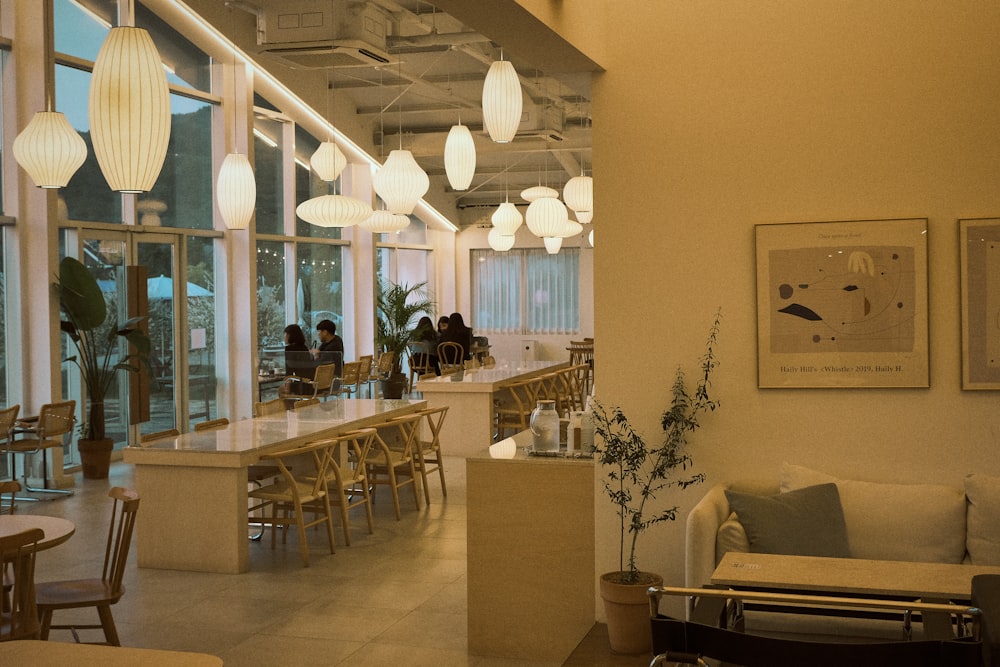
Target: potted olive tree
397 306
634 474
97 342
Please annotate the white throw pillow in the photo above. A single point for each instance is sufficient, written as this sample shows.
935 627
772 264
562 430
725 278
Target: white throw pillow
983 540
907 522
731 537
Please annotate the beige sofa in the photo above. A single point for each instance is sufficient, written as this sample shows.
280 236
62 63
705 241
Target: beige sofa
883 521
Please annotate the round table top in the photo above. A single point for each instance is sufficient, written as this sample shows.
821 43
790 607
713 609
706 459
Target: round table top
56 530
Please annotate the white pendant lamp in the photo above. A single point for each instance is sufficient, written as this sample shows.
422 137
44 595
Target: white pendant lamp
507 218
502 102
236 191
384 222
499 241
459 157
333 211
49 149
552 244
400 182
573 228
539 191
547 216
328 161
129 110
578 194
590 238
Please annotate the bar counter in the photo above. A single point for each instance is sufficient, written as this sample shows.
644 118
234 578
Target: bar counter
193 488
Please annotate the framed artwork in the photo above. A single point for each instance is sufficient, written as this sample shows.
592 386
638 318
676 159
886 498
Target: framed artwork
979 247
842 304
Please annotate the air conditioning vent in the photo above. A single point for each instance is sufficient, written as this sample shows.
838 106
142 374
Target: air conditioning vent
542 121
302 34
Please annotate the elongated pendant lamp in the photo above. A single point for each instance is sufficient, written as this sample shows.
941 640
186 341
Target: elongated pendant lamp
384 222
400 182
333 211
502 102
328 161
236 191
507 219
499 241
129 110
49 149
459 157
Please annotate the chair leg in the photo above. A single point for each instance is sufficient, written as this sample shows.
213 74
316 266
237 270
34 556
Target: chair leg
108 623
329 522
300 523
45 624
344 500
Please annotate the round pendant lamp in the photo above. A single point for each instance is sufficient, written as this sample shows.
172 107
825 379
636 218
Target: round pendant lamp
547 217
400 182
49 149
384 222
499 241
333 211
507 219
539 191
578 194
129 110
328 161
502 102
459 157
236 191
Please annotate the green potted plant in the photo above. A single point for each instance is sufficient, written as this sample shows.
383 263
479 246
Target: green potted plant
635 473
96 339
397 306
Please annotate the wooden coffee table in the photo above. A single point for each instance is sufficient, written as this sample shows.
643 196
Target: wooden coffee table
849 576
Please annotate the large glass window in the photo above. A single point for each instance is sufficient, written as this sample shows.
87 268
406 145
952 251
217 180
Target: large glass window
81 26
268 170
271 318
526 291
319 289
3 319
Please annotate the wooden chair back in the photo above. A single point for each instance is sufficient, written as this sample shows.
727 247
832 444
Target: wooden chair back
419 362
17 553
450 357
10 487
8 416
124 506
159 435
221 422
323 379
305 403
276 406
385 363
352 377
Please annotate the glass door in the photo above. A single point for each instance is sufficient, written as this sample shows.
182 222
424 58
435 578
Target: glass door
158 253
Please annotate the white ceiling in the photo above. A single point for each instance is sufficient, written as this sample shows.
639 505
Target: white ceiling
433 79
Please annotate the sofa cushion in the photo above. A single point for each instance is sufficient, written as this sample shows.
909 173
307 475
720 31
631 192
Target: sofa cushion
983 512
731 537
805 522
908 522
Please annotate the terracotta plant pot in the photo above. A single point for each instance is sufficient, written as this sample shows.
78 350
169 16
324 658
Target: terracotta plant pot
627 609
95 456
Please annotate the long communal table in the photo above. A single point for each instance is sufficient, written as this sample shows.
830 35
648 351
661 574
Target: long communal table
470 419
193 488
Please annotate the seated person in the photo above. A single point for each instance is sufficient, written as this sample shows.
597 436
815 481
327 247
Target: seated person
457 332
298 362
424 344
331 348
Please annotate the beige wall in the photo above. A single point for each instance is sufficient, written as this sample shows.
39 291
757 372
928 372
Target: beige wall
714 116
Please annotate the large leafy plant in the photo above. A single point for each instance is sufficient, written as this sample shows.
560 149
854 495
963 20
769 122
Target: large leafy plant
397 306
97 340
636 472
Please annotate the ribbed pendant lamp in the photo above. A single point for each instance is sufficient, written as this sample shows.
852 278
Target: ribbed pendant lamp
333 211
552 244
129 110
236 191
502 102
499 241
459 157
328 161
49 149
400 182
507 219
539 191
578 194
547 217
385 222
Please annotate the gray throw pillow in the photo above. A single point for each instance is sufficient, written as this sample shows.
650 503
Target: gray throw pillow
805 522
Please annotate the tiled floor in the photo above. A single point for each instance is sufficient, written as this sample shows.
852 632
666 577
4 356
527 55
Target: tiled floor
395 597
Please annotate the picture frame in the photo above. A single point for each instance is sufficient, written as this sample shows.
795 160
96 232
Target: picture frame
979 251
842 304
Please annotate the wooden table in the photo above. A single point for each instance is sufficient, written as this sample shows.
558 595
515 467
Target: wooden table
56 530
849 576
469 424
193 514
33 652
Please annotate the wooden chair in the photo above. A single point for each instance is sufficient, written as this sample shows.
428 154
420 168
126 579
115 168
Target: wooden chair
159 435
289 498
348 484
450 357
382 369
305 403
100 593
351 383
427 448
323 381
211 424
515 401
54 421
10 487
367 361
419 362
270 408
391 460
19 618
